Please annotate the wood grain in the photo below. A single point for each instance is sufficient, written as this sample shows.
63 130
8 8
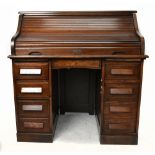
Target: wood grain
107 42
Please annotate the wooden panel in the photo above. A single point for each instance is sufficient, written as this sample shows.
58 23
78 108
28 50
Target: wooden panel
77 88
33 125
74 51
33 108
32 89
122 70
92 64
78 28
31 70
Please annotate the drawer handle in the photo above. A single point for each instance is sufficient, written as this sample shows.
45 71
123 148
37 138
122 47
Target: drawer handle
118 52
119 109
32 107
121 71
118 126
121 91
30 71
35 53
33 125
31 90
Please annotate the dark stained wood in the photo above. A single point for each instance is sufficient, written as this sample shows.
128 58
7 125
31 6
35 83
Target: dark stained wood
33 87
33 125
123 90
55 51
78 61
77 88
30 67
33 108
122 70
92 64
117 57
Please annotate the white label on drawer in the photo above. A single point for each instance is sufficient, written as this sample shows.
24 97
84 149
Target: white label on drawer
30 71
32 107
31 90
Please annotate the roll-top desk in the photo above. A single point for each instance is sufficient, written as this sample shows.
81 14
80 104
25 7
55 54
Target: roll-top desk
90 57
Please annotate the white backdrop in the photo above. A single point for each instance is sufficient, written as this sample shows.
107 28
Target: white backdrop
8 24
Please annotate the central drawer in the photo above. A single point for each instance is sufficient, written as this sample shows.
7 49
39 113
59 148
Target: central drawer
74 63
32 89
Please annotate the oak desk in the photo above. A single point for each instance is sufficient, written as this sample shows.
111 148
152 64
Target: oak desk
78 62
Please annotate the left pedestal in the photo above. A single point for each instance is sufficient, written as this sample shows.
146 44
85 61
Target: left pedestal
33 101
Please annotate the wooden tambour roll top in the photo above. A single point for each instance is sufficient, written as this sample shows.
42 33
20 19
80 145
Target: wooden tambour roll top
78 34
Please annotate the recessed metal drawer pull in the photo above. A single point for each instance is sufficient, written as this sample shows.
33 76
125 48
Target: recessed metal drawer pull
121 71
34 125
32 107
30 71
31 90
119 126
122 91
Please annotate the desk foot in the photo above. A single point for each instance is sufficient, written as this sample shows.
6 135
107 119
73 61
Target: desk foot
35 137
119 139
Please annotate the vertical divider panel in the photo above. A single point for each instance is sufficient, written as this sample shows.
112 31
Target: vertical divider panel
50 96
102 97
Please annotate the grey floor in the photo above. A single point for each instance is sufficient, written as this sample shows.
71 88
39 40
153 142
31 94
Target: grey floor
77 128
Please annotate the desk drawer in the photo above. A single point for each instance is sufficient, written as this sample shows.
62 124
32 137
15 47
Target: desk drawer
120 109
32 89
122 70
121 91
31 70
33 108
92 64
33 125
119 126
71 51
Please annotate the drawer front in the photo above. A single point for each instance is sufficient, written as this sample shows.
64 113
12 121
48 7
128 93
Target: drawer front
33 108
119 126
122 70
95 64
32 89
71 51
31 70
33 125
120 109
120 91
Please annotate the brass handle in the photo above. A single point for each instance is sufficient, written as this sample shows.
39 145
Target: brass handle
35 53
118 52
